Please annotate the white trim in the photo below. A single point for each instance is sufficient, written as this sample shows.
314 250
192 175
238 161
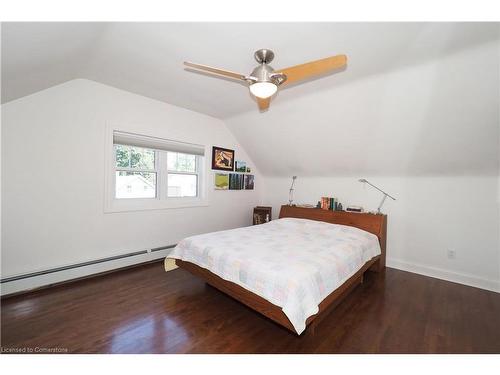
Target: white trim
112 205
439 273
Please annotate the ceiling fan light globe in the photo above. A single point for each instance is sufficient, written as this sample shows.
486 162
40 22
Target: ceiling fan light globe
263 90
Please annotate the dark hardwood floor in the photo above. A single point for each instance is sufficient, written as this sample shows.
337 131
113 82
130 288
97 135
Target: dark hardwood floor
145 310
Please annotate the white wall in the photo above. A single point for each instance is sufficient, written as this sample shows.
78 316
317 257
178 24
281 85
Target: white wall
430 216
53 147
428 134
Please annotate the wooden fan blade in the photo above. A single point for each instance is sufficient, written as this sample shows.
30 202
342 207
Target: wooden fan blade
263 103
221 72
313 68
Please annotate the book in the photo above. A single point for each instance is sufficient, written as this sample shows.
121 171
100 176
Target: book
325 203
329 203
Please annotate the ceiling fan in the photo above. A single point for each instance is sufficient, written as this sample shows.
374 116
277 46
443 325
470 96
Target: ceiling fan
264 80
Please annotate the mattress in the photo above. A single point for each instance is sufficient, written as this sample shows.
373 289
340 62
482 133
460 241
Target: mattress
292 263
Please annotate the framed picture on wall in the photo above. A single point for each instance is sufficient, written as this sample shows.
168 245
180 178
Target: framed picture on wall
241 166
222 159
249 182
221 181
235 181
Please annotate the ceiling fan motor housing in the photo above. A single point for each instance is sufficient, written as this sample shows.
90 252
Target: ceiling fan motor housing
262 73
265 72
264 56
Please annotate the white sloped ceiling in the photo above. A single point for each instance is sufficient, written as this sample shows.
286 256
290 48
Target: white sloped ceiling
415 99
146 58
437 118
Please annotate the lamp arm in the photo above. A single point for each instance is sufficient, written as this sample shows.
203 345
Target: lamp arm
364 180
383 192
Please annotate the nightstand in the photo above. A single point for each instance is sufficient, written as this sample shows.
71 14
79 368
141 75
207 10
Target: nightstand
262 214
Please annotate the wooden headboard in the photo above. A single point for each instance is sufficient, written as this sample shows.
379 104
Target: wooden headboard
376 224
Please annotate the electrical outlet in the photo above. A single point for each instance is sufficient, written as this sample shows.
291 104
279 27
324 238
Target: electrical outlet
451 254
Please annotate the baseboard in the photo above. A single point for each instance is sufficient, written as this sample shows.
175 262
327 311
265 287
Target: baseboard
93 275
63 276
31 283
439 273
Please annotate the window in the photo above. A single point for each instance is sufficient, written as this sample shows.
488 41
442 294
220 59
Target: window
151 173
182 175
135 175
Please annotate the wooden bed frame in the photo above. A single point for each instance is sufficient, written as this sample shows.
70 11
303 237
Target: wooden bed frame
376 224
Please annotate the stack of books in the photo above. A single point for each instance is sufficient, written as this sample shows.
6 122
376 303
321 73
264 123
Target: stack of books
328 203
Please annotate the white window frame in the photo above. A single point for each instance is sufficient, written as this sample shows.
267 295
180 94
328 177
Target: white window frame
198 163
161 201
138 170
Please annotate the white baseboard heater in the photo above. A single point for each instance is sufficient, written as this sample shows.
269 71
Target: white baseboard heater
83 264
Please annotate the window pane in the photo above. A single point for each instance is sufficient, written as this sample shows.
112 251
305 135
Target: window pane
122 156
181 162
134 157
135 185
182 185
142 158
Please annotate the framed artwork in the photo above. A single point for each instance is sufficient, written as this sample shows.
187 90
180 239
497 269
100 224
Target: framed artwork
221 181
249 181
222 159
235 181
241 166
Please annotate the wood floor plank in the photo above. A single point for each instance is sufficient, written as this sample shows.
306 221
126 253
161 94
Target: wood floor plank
145 310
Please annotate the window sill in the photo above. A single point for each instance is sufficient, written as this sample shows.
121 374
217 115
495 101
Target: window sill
130 205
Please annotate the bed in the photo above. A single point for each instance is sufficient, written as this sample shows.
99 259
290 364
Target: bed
294 269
